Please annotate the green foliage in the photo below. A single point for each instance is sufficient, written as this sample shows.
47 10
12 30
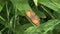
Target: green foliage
13 19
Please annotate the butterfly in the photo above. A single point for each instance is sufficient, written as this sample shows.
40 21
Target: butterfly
33 17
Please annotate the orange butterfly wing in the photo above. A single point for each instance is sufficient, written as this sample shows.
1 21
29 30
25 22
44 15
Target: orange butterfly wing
34 18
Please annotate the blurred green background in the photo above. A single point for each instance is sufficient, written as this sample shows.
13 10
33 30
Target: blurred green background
13 19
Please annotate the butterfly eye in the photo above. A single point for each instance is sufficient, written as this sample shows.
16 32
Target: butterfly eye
34 18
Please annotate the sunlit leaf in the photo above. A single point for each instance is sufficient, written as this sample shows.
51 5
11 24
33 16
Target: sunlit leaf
36 2
48 26
50 4
56 2
21 5
2 3
32 30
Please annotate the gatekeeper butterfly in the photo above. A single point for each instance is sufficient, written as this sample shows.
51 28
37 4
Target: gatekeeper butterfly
33 17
